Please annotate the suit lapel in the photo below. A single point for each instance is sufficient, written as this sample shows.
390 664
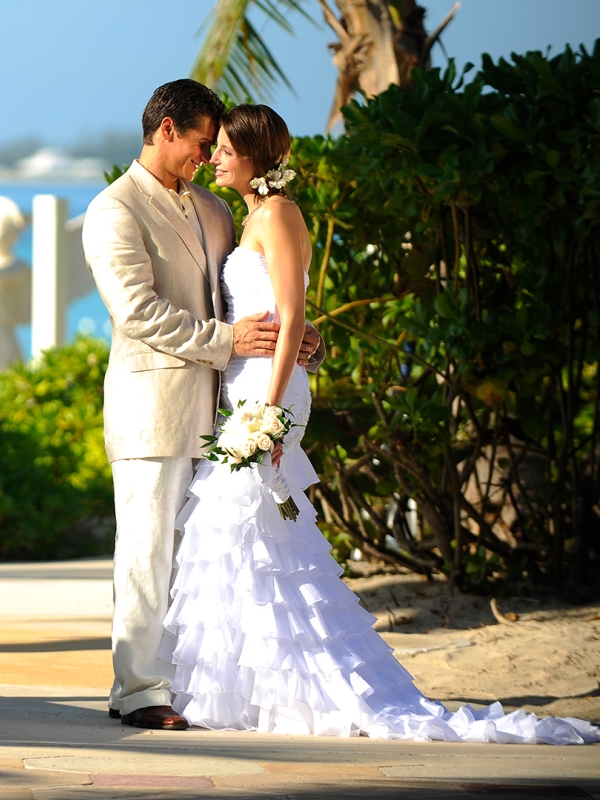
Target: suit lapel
208 224
165 205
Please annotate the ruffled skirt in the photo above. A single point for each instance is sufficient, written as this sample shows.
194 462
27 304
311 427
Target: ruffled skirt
265 635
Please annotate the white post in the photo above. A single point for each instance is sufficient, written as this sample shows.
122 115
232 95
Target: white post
50 273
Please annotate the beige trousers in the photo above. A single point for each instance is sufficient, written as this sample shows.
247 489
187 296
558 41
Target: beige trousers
149 493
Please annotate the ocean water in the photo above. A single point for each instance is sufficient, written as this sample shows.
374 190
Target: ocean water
86 314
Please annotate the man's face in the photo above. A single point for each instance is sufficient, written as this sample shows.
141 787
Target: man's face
186 152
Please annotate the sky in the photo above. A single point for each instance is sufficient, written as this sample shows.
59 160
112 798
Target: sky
71 70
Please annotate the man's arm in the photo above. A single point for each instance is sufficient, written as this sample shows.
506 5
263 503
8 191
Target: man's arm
122 269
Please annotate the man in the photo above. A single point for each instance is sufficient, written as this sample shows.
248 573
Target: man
155 244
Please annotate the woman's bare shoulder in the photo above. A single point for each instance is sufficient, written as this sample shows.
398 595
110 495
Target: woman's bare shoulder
282 223
280 207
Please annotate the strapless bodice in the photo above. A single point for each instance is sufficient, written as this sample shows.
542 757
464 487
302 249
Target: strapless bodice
247 286
247 289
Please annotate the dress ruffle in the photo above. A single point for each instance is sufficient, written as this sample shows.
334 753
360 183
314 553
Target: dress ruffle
265 636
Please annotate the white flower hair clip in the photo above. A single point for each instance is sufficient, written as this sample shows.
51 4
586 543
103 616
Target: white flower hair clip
274 179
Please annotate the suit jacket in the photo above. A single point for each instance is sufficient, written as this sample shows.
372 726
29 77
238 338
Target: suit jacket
163 294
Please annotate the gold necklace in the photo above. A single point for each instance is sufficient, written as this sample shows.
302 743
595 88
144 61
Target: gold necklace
249 214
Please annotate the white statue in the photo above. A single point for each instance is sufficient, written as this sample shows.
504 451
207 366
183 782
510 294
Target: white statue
15 282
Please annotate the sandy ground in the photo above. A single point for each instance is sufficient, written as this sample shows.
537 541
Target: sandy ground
547 659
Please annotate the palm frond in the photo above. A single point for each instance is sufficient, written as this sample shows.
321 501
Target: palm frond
223 24
234 57
279 10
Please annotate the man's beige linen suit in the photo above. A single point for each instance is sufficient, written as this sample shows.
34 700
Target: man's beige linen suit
161 286
162 289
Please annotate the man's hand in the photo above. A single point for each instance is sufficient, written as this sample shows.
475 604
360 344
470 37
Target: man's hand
252 336
309 345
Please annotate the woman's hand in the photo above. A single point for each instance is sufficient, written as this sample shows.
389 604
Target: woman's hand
276 454
309 345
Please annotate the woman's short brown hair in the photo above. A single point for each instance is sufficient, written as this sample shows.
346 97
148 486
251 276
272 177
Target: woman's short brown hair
258 133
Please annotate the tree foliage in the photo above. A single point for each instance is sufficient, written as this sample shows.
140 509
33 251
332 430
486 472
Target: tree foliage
455 279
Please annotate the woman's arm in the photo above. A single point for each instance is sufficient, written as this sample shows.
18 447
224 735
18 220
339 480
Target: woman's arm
284 240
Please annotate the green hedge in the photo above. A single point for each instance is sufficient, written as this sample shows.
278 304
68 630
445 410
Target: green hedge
55 481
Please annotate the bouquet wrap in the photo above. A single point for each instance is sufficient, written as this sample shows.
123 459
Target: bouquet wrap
274 479
248 437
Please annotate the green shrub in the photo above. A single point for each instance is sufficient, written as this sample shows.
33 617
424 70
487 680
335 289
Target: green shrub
455 280
55 481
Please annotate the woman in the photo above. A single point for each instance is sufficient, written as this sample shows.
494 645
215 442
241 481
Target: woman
263 633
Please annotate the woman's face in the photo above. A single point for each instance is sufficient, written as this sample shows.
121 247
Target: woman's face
231 169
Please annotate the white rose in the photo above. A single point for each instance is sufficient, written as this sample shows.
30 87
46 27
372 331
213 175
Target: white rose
265 442
247 448
272 425
272 413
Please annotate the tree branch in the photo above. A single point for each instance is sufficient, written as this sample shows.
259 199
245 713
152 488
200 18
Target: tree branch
432 38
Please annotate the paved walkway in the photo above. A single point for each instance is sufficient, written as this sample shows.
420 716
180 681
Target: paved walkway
57 742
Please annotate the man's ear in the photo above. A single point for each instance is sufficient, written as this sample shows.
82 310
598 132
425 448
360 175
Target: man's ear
167 129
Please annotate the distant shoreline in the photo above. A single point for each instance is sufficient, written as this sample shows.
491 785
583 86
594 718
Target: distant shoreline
57 180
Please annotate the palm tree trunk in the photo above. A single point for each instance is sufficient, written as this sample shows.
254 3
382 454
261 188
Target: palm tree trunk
378 44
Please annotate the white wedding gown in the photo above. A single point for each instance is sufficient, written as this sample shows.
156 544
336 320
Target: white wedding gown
263 632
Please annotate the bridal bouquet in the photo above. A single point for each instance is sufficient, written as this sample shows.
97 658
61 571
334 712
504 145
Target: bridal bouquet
247 435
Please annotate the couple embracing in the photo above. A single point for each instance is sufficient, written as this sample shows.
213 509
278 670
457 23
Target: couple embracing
256 631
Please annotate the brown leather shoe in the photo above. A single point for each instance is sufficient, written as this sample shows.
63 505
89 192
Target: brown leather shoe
113 713
161 718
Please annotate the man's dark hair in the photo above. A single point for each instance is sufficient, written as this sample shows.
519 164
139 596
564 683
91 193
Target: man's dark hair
185 101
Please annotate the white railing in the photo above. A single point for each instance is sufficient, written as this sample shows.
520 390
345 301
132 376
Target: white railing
58 276
50 276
